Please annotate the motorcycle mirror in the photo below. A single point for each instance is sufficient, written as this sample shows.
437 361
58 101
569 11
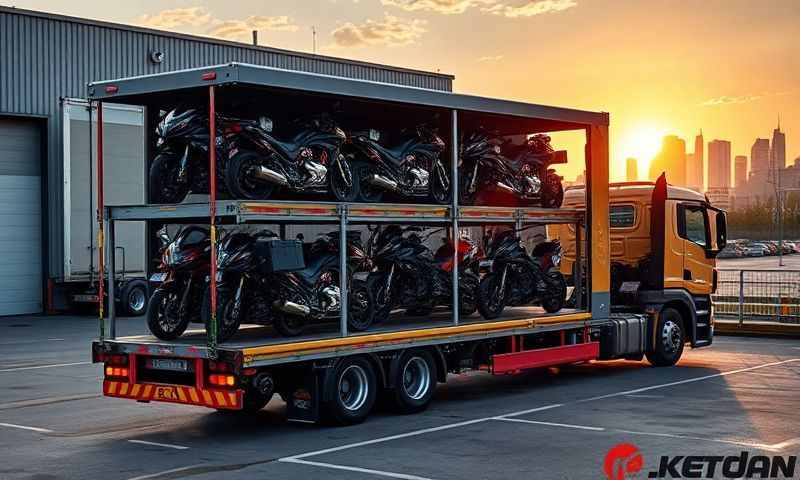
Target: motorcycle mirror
265 123
374 135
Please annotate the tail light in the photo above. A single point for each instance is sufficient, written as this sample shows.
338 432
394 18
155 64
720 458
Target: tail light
116 366
116 372
221 380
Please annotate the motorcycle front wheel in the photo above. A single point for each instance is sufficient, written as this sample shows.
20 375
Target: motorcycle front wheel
240 180
361 307
163 315
228 321
468 286
439 185
554 301
163 179
465 197
552 191
383 302
490 303
343 182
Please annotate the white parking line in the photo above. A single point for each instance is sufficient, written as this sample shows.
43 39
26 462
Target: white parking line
23 427
36 367
23 342
156 444
167 472
550 424
354 469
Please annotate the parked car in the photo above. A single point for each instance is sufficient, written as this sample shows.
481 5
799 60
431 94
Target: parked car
757 250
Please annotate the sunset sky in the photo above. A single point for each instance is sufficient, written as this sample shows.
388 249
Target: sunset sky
729 67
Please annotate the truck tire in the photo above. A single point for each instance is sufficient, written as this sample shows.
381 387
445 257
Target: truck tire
670 339
354 386
133 298
414 381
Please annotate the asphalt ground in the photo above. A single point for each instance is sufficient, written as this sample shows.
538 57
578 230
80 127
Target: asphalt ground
741 394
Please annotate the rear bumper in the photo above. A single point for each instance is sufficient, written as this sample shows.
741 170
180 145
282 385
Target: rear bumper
147 392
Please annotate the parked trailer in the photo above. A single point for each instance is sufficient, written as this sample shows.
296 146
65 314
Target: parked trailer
334 374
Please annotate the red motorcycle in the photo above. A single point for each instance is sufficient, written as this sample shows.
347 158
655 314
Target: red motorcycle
185 262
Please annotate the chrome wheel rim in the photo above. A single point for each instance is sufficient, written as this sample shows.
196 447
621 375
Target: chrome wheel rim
353 388
416 378
137 300
671 336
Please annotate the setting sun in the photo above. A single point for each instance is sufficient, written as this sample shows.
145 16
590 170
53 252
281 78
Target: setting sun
642 142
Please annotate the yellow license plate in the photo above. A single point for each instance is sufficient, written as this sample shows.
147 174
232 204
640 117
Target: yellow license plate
166 393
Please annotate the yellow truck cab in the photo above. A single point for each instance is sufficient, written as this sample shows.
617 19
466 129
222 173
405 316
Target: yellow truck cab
664 241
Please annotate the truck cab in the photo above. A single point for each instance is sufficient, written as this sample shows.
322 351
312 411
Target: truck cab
664 241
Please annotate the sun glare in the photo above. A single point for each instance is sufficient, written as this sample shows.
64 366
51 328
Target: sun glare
642 142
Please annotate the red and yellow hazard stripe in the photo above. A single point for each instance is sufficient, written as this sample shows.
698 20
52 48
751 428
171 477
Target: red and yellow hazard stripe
230 399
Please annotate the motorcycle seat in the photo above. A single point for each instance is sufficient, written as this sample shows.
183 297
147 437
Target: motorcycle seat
314 268
397 153
290 148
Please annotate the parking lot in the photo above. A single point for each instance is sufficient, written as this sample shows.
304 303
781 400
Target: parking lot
738 395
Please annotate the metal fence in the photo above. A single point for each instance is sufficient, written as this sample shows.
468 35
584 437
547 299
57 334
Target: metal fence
758 295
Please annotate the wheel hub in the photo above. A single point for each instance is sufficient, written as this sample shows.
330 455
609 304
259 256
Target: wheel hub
671 336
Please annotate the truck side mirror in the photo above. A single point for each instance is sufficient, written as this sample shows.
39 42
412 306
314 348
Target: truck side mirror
722 230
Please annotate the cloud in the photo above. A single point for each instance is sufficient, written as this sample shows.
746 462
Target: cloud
200 20
446 7
530 8
726 100
491 58
527 8
176 17
391 31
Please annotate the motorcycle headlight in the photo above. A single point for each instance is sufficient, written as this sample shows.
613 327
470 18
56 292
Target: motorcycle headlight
556 259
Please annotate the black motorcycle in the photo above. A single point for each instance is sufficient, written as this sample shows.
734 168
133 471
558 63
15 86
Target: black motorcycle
491 165
518 279
411 168
184 265
181 162
313 293
407 275
242 283
310 162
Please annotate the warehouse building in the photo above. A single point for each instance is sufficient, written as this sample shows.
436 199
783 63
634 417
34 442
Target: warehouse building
45 135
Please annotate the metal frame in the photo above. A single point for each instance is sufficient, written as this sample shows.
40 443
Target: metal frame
133 90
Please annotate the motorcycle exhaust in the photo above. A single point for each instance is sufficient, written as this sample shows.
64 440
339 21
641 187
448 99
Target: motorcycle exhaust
292 308
503 186
268 175
383 182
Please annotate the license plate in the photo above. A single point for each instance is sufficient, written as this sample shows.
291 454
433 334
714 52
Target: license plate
172 364
166 393
629 287
84 298
361 276
486 263
158 277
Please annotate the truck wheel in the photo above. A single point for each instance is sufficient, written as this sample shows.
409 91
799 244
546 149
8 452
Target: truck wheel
414 381
354 389
133 298
163 318
669 339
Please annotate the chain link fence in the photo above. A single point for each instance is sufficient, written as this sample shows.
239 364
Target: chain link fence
758 295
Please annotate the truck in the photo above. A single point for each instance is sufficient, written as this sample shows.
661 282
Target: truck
332 374
664 242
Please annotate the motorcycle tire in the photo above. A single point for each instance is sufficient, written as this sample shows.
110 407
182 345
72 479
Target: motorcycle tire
288 325
339 188
160 305
240 182
163 180
361 311
552 191
377 285
367 193
469 283
439 194
464 197
489 305
227 323
554 302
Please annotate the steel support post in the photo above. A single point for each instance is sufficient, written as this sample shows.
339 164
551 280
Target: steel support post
454 213
577 279
343 268
212 213
112 268
100 220
741 297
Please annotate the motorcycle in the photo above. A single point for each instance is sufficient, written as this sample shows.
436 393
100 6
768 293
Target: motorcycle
407 274
310 162
518 279
490 164
181 162
242 284
185 262
412 168
313 293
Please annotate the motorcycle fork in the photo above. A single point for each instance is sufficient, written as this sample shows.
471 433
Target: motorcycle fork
502 291
348 180
183 171
185 297
237 298
474 179
386 296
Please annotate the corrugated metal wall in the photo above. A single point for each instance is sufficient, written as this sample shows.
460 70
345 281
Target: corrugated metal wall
45 58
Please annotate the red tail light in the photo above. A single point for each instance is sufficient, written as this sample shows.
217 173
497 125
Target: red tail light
112 89
209 76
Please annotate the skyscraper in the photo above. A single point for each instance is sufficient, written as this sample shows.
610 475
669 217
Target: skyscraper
694 165
740 171
719 164
671 159
777 154
759 155
631 170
